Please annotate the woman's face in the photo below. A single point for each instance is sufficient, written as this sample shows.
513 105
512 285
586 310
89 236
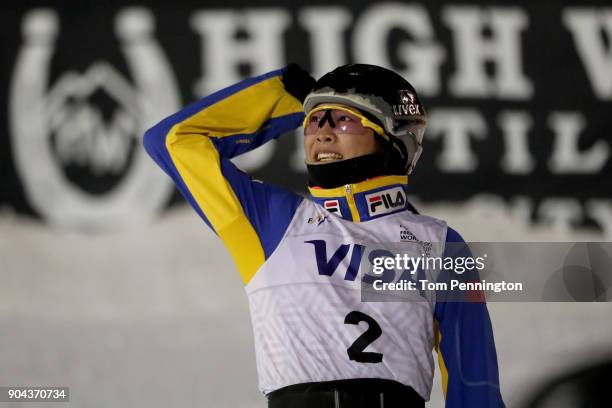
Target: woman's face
332 135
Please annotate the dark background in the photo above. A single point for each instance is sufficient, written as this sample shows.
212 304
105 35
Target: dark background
549 60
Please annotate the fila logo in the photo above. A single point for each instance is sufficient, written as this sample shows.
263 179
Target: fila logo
333 206
386 201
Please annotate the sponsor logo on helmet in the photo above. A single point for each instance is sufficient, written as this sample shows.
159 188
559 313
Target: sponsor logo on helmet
386 201
408 105
407 97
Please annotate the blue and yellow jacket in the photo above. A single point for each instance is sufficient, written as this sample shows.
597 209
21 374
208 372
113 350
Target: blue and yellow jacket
290 252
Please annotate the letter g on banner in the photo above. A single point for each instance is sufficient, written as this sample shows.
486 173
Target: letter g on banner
54 125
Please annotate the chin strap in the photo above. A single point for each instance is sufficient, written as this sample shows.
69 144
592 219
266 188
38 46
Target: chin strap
350 171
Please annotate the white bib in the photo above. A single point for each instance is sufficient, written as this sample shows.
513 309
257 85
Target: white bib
310 286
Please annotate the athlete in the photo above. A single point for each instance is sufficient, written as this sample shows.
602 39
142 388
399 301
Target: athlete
317 343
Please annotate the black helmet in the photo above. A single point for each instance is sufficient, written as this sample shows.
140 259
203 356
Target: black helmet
382 95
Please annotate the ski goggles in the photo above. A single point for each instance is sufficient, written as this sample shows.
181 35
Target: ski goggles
339 121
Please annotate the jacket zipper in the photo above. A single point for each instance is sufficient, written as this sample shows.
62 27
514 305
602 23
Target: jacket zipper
350 198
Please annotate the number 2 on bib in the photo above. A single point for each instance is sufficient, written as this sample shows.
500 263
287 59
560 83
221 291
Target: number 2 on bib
355 351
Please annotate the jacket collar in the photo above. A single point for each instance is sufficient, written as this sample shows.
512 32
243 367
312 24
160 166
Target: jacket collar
372 198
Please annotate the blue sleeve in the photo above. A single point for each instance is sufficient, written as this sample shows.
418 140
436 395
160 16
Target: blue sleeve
465 345
194 147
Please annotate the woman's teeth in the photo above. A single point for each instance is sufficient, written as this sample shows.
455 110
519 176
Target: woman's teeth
328 156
